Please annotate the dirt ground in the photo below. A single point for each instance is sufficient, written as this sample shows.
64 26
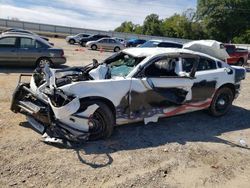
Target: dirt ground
192 150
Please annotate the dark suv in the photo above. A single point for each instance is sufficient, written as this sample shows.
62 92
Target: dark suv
162 44
84 40
134 42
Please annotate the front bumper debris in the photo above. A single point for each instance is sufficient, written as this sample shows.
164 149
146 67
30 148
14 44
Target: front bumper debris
40 115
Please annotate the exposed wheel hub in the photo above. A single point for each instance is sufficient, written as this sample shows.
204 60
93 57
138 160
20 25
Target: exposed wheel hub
43 62
221 102
96 123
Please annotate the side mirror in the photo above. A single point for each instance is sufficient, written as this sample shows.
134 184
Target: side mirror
95 63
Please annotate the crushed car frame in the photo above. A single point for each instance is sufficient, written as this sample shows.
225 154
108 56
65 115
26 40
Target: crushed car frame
137 84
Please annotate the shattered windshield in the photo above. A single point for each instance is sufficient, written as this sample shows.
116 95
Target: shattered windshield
122 64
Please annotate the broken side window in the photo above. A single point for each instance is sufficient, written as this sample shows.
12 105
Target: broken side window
203 65
162 68
206 64
187 64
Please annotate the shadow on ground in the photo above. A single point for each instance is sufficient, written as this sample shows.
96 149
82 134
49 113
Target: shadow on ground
192 127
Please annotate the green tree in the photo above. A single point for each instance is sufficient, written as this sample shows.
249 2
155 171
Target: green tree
197 31
181 26
138 29
244 38
127 27
152 25
224 19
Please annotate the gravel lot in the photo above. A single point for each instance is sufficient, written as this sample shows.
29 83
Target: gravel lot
192 150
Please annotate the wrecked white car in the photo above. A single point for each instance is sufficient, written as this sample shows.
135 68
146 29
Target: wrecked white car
136 84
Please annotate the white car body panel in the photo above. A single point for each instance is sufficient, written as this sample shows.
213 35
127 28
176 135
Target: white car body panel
112 90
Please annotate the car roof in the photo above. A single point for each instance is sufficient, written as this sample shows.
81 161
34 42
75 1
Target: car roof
105 38
167 41
16 34
117 38
146 52
26 36
15 29
99 35
82 34
136 39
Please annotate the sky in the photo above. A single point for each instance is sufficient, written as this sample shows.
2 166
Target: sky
92 14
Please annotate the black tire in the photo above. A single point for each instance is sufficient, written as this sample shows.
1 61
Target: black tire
93 47
72 41
117 49
222 102
240 62
103 122
41 61
83 44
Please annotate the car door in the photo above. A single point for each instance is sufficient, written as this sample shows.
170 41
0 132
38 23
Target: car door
208 77
158 88
28 53
8 51
112 44
103 43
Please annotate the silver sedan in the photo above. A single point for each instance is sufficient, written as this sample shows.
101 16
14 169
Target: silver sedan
105 43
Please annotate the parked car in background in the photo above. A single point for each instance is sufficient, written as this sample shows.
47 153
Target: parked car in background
134 42
16 30
105 43
238 56
28 50
84 40
161 43
120 40
72 39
